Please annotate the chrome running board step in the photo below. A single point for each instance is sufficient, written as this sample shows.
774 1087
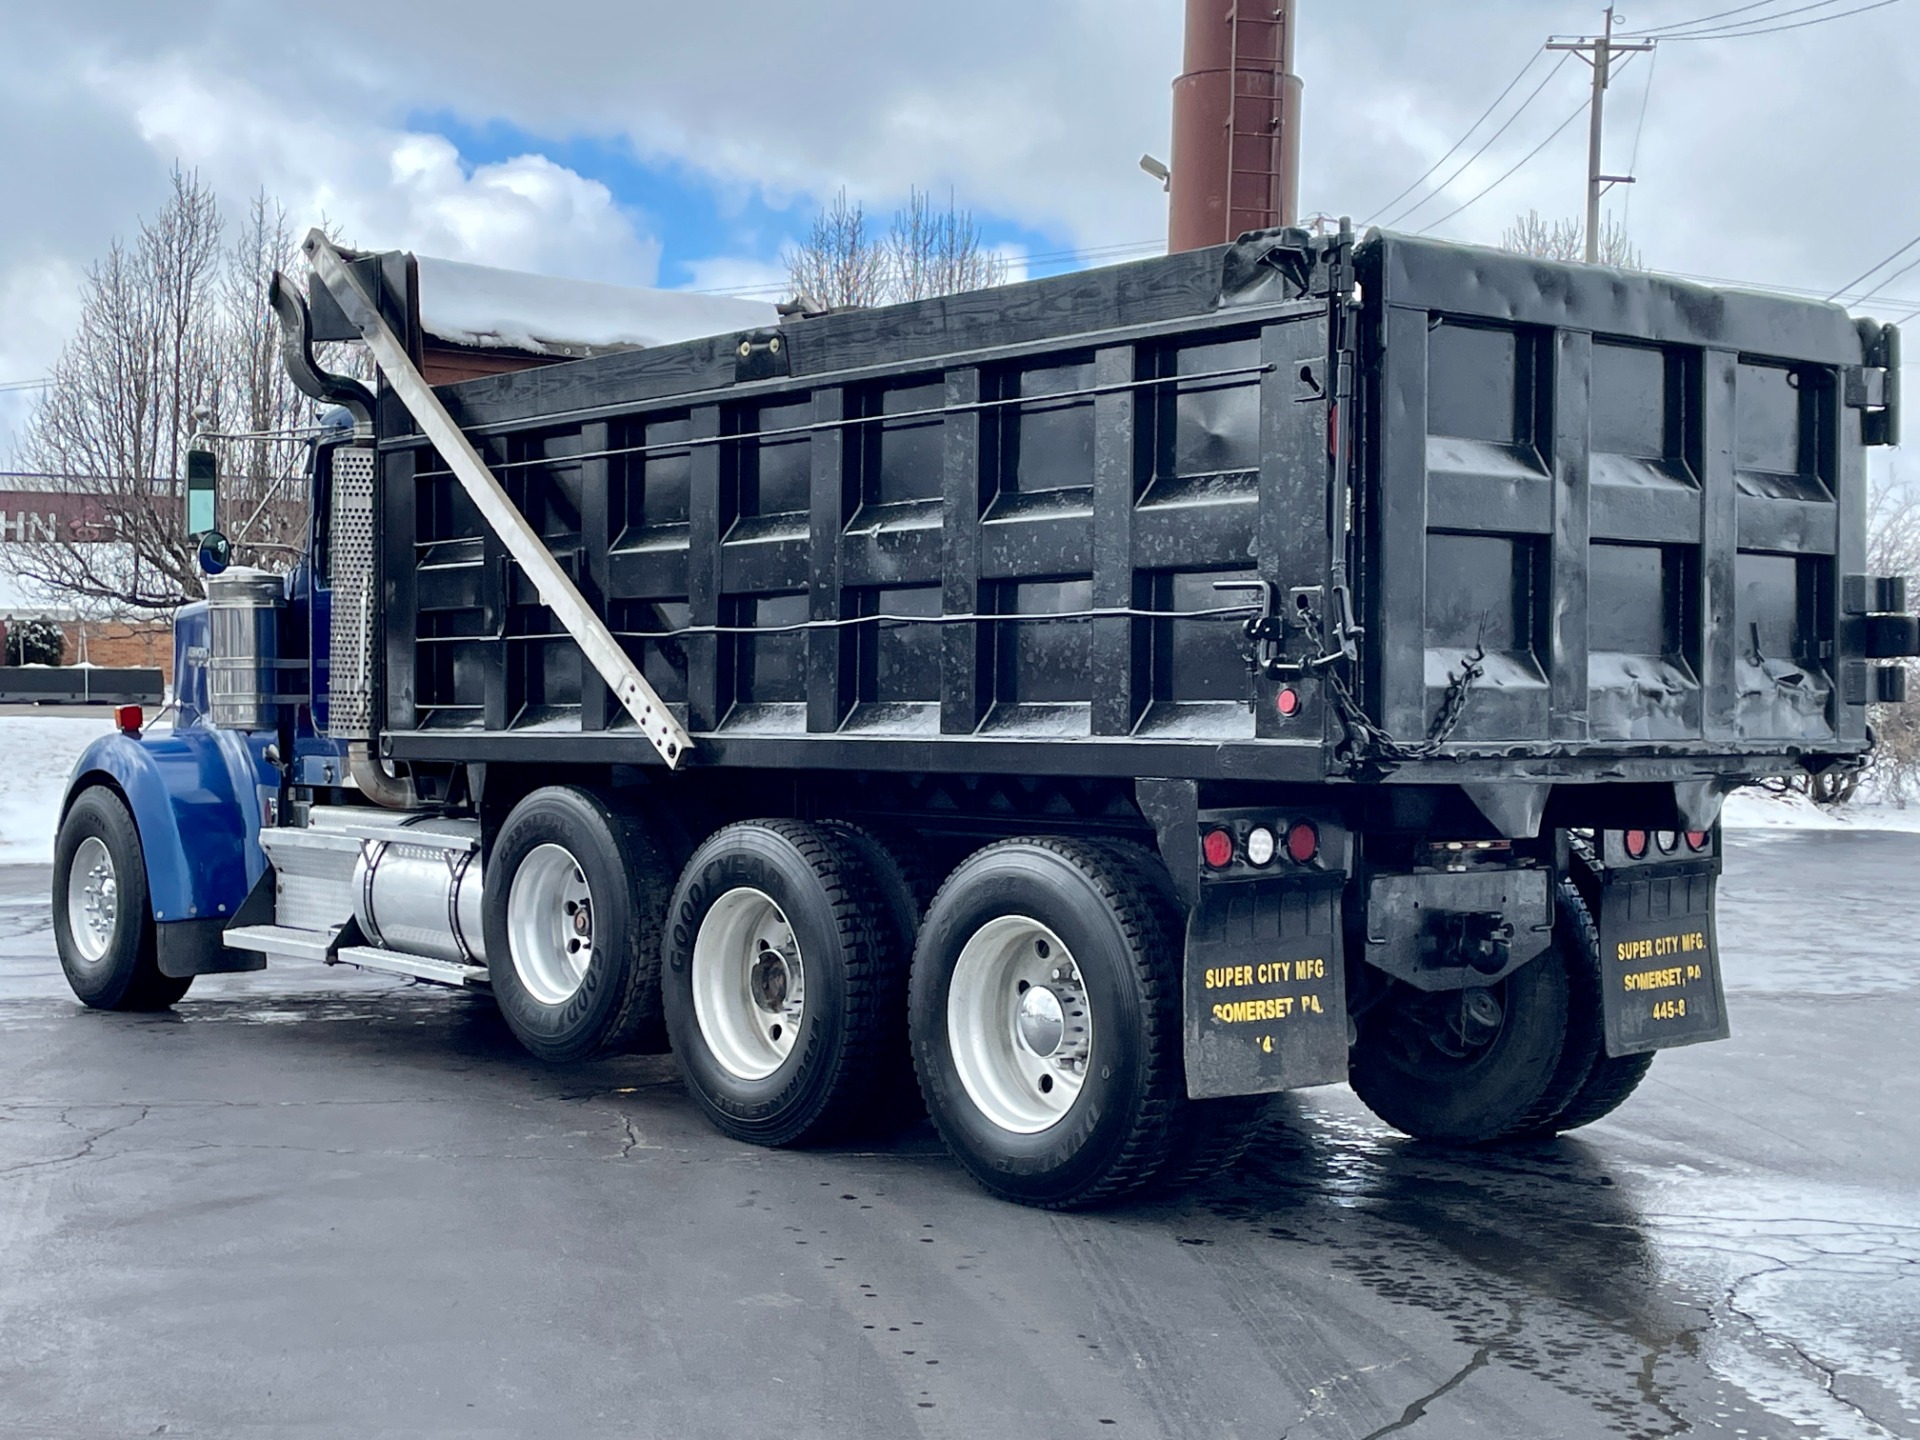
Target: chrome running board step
282 941
414 967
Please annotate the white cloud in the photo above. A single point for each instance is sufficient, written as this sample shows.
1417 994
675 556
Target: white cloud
383 187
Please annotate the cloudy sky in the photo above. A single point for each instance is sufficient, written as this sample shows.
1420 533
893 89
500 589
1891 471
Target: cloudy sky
683 145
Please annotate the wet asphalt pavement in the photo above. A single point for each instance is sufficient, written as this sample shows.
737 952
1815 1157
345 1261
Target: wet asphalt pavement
316 1203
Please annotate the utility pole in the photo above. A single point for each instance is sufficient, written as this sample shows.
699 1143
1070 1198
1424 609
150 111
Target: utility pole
1598 51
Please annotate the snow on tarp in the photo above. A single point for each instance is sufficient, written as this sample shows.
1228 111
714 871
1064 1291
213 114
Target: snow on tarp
478 305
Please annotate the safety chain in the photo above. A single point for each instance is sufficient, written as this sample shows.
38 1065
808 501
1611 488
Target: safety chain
1372 744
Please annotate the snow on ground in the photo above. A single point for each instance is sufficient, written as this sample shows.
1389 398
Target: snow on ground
1756 809
36 756
37 753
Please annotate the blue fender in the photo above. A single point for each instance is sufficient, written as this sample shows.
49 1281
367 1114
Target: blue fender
197 795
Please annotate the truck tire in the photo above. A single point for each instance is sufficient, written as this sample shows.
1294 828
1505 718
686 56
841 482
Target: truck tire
102 921
781 965
1210 1137
1065 1101
575 899
906 886
1421 1075
1609 1080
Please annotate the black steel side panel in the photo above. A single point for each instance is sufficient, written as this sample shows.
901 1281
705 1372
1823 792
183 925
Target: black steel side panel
1638 496
958 527
955 528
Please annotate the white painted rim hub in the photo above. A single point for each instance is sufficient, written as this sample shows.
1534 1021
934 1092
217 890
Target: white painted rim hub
749 984
550 924
1019 1024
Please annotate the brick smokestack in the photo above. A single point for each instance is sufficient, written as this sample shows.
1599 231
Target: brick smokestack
1236 123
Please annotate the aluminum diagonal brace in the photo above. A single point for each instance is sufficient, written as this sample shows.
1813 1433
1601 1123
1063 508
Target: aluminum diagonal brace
503 517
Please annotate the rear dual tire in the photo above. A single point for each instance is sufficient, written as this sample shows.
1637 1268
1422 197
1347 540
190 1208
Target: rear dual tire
1044 1015
782 983
1543 1069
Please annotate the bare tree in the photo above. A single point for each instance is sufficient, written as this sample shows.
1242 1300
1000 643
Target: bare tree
842 263
262 503
175 338
938 252
925 252
1567 240
1893 548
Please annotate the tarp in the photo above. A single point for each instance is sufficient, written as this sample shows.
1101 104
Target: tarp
477 305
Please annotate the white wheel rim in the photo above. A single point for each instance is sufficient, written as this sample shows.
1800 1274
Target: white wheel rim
93 899
749 984
550 924
1019 1024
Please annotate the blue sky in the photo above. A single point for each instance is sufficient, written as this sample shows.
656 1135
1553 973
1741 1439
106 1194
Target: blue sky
697 218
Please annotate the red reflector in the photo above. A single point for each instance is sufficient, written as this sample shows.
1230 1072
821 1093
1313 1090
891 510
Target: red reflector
128 719
1287 702
1698 839
1636 843
1218 848
1303 843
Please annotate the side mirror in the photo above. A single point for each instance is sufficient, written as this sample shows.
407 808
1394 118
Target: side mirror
203 483
216 553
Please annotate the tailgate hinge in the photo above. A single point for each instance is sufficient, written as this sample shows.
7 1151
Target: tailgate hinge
1875 386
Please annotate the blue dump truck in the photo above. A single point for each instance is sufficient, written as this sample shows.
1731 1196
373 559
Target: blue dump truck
1075 710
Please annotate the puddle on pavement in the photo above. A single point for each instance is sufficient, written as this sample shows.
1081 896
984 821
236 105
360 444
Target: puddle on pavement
1571 1265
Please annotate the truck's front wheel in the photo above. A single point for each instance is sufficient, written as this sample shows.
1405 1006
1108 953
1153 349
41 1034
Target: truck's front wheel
102 922
575 895
1044 1013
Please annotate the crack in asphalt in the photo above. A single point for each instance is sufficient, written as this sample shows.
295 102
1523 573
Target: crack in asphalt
1481 1357
1828 1375
86 1150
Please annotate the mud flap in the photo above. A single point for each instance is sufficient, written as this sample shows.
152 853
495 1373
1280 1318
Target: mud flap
1266 990
1660 962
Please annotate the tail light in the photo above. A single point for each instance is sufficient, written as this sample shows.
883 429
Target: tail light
1303 842
1699 839
1636 843
1218 848
1287 702
1668 841
1262 845
128 719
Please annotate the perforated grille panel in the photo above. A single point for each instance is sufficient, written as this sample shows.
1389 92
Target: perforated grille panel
350 684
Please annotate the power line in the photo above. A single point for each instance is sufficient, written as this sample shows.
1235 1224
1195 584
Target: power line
25 385
1522 162
1700 27
1486 145
1702 19
1873 269
1861 300
1578 111
1452 149
1781 29
1633 160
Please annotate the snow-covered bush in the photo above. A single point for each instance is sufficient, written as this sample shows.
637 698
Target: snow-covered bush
35 642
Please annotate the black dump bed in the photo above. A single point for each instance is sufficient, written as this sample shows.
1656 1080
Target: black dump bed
1505 517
